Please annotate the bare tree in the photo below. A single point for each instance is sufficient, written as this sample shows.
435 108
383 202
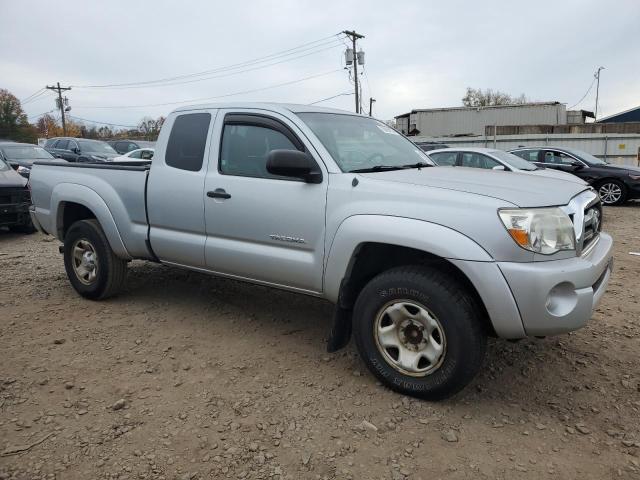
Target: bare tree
476 97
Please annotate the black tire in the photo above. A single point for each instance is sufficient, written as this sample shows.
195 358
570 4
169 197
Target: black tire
457 314
606 190
110 272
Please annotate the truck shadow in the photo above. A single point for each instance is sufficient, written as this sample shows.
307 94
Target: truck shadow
528 371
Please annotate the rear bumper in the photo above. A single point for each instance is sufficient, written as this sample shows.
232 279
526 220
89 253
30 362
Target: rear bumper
559 296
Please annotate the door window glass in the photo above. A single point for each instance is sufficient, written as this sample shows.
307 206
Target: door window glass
528 155
444 159
187 141
245 149
477 160
63 144
558 158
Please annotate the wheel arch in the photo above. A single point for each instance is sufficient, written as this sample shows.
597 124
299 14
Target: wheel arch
73 202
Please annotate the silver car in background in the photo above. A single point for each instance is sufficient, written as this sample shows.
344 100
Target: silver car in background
494 159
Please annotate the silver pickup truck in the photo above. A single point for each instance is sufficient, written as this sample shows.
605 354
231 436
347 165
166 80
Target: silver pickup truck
422 263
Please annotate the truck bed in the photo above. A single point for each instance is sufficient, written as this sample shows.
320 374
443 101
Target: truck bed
114 190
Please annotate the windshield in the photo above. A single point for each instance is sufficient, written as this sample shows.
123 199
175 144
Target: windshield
96 147
513 160
587 157
26 152
357 143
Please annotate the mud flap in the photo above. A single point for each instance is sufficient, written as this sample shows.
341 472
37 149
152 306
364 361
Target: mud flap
341 330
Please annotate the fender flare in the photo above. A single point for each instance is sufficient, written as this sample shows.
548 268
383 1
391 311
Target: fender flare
428 237
88 198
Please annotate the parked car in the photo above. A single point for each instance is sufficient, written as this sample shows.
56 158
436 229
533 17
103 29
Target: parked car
14 200
136 155
492 159
615 183
20 156
421 263
80 149
428 146
124 146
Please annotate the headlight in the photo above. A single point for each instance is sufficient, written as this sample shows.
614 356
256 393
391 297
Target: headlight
634 177
540 230
22 170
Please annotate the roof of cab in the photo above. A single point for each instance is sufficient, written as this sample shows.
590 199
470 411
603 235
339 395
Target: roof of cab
292 107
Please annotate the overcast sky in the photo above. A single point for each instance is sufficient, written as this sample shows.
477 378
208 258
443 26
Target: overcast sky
419 54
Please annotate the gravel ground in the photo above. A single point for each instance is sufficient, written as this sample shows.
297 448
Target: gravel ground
186 376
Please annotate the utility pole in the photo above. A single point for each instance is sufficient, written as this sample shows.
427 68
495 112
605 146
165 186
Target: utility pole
371 101
354 37
61 105
597 75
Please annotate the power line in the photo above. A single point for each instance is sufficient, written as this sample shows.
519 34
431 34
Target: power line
330 98
283 53
26 99
228 74
41 114
216 96
585 95
35 98
102 123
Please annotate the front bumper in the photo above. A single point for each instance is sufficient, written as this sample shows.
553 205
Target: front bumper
13 214
560 295
34 220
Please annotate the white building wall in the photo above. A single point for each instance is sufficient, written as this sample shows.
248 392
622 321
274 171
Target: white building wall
460 121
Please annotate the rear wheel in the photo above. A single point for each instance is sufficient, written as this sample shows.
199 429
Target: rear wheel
612 192
93 268
419 332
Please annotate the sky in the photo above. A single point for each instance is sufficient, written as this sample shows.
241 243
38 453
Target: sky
419 54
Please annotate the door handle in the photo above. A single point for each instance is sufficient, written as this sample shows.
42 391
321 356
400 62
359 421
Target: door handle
218 193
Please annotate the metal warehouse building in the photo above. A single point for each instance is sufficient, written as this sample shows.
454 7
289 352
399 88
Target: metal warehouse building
437 122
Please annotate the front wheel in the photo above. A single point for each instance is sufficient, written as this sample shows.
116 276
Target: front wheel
419 331
93 268
612 192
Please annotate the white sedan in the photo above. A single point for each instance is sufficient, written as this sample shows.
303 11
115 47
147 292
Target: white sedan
136 155
493 159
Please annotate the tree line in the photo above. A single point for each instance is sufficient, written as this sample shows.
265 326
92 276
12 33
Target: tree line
14 125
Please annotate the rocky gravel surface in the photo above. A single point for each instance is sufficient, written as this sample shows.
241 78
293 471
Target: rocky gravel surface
185 376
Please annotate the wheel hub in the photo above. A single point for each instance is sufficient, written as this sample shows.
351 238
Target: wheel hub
85 261
410 338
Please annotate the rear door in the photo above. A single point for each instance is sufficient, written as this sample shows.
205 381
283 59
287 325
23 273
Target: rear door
175 189
260 226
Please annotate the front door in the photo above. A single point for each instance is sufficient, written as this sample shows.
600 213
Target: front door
261 226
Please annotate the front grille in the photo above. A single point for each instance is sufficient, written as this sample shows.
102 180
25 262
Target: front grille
585 212
12 196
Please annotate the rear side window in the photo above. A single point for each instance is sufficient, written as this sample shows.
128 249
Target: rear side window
477 160
62 144
528 155
444 159
50 142
185 149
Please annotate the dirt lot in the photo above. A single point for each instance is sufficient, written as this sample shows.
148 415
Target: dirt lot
195 377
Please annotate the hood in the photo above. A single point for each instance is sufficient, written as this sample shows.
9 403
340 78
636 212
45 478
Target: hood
521 189
10 178
551 173
620 168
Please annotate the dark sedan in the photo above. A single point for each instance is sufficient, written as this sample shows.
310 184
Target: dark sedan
20 156
615 183
15 199
80 149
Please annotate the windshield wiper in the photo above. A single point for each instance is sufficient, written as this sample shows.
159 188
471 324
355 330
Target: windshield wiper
379 168
418 165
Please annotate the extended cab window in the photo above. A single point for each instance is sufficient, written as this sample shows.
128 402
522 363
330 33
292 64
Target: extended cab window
185 149
245 149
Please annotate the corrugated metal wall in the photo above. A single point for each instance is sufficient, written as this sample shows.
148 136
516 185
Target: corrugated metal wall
460 121
623 149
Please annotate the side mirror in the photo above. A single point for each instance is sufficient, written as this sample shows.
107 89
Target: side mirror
293 163
75 150
576 165
498 167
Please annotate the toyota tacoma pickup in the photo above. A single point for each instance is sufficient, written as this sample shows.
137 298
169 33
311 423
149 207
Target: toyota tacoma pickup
422 263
